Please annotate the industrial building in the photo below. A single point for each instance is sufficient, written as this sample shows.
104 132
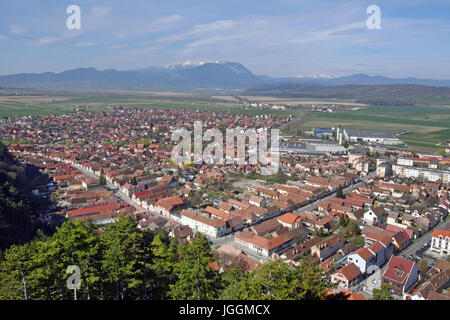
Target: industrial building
311 148
371 136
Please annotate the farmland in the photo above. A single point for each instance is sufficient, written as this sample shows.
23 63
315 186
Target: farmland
428 125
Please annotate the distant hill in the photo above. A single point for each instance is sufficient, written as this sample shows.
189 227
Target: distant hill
394 95
211 75
189 75
227 76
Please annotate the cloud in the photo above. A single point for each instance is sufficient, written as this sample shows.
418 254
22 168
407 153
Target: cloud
2 37
201 29
85 44
16 29
100 11
44 41
157 25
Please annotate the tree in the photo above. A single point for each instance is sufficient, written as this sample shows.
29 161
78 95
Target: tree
276 280
78 245
423 267
353 228
15 269
340 193
384 293
165 256
343 222
441 152
196 279
102 180
120 245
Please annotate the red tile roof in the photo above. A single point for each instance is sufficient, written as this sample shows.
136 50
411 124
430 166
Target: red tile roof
398 269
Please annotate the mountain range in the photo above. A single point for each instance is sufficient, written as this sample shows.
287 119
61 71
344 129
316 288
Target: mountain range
193 75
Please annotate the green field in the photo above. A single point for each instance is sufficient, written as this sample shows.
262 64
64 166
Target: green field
17 106
428 125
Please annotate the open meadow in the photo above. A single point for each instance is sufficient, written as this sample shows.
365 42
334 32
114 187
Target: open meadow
427 125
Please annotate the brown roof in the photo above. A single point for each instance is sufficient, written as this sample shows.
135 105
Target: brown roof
364 253
350 271
216 223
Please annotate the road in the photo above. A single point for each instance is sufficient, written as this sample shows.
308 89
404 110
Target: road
116 191
230 238
425 238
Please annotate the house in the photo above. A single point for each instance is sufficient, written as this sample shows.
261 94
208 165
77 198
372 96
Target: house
362 258
378 214
290 220
347 276
436 287
266 227
211 227
300 250
401 274
440 242
235 223
374 255
262 246
356 215
328 247
168 205
327 265
182 233
152 222
257 201
218 214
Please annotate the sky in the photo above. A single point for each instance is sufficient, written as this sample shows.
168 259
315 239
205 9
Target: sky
282 38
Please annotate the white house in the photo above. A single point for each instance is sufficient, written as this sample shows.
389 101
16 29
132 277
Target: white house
440 242
211 227
378 214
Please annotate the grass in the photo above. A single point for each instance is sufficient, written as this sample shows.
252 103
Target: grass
36 105
428 125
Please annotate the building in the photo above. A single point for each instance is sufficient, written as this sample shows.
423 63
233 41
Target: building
328 247
262 246
384 170
290 220
371 136
401 274
210 227
347 276
378 214
374 255
440 242
311 148
429 174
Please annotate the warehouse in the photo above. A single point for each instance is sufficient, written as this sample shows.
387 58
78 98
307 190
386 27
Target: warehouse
313 148
371 136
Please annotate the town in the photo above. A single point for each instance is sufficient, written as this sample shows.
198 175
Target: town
351 201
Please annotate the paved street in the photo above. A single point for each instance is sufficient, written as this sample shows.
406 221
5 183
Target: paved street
426 238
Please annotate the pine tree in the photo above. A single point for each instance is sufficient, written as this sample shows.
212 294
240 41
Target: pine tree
121 250
196 279
165 256
102 179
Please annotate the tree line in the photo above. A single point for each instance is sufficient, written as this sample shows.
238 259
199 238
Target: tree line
122 262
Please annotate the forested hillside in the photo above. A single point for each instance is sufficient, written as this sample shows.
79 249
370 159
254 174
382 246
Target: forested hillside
18 207
126 263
